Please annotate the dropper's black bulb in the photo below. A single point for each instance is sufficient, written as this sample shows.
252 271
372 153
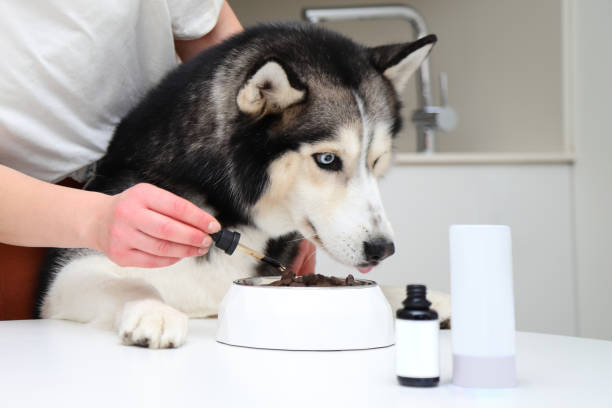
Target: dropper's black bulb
226 240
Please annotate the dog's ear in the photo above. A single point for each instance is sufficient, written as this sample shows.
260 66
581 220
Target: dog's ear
398 62
268 90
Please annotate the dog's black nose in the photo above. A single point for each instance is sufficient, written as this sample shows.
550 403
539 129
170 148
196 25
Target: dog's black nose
378 249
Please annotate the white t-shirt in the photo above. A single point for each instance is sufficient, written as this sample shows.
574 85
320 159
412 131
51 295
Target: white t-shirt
71 69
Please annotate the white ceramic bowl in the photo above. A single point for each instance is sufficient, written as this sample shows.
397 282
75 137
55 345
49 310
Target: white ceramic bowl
305 318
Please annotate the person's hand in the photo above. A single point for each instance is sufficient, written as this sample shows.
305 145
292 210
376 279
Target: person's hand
304 262
149 227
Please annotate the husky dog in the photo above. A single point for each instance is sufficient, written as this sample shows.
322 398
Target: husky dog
280 132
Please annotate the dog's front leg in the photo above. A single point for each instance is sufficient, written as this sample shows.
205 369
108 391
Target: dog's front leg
89 290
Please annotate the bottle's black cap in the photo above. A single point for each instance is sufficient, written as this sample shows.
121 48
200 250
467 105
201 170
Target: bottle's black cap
416 298
416 291
416 305
226 240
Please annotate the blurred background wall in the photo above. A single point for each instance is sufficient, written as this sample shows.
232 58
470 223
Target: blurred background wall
531 83
503 60
592 177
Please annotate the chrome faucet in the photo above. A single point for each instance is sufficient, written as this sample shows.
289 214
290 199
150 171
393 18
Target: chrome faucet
427 118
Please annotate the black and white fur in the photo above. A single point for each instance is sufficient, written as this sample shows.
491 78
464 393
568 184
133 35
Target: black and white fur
245 131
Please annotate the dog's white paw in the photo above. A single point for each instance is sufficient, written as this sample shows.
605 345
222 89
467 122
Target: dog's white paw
153 324
440 302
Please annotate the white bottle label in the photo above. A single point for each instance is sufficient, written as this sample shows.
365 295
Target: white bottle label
417 348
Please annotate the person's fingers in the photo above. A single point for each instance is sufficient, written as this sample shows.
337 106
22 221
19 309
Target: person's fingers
135 257
168 229
163 248
173 206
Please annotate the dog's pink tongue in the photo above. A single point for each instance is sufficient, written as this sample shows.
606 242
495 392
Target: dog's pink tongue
364 269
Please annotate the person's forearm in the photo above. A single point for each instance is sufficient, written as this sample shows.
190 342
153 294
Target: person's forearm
227 25
35 213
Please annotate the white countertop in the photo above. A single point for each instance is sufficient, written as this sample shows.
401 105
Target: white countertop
48 363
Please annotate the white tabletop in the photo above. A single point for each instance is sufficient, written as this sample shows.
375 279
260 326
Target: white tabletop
48 363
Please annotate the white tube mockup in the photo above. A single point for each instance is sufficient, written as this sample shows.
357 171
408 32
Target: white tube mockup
482 306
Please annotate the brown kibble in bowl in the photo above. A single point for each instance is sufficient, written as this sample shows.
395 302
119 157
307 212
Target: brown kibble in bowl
288 278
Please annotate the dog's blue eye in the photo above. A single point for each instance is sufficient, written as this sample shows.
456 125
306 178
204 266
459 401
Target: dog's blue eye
327 158
328 161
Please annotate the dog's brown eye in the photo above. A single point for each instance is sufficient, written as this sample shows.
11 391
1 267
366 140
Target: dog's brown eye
328 161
